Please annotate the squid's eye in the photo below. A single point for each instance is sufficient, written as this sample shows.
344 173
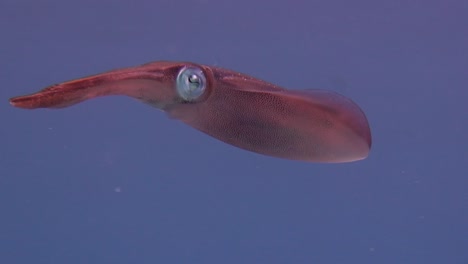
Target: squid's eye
191 83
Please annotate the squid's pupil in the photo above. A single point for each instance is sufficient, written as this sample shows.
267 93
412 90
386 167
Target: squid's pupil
194 79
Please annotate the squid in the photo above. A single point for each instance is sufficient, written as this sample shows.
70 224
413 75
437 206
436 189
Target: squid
235 108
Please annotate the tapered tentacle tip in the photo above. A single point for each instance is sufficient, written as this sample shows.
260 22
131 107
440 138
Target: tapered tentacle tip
22 102
55 96
40 100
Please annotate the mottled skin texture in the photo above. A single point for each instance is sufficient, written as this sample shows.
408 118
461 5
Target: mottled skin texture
310 125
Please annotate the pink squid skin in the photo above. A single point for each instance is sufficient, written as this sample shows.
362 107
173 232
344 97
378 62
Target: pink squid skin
306 125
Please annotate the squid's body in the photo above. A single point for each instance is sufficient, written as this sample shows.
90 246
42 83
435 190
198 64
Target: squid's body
309 125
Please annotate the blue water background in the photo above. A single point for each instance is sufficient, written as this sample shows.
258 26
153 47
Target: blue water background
115 181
